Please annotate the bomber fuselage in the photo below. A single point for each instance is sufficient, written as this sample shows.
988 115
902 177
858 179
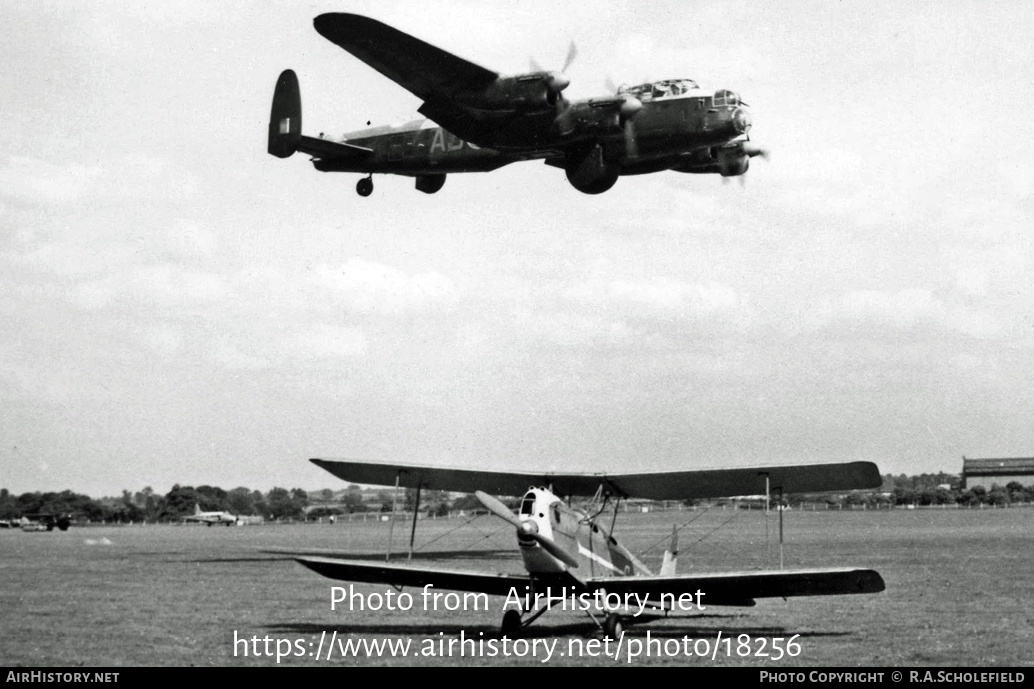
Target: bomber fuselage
662 134
416 148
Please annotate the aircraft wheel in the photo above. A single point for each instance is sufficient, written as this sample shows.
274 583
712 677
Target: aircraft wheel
209 525
364 187
613 626
512 624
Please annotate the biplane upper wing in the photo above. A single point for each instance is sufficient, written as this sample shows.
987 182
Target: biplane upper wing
660 485
741 588
402 575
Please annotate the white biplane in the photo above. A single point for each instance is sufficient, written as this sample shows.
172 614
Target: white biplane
567 549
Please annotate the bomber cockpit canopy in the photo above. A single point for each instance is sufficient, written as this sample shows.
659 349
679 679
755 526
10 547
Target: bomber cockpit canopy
724 97
661 89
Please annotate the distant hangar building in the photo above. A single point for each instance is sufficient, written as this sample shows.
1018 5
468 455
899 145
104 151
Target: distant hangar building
1000 471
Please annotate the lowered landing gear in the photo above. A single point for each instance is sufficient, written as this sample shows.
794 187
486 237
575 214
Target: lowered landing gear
514 624
511 624
364 187
613 626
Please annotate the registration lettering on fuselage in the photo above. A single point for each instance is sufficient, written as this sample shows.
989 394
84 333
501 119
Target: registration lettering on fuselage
447 141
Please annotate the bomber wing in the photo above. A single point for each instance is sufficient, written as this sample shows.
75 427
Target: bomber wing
442 80
741 588
400 575
660 485
422 69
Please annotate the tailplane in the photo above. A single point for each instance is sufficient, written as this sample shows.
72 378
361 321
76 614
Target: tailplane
285 118
671 555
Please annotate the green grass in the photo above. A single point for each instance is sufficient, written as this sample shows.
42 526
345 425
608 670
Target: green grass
958 590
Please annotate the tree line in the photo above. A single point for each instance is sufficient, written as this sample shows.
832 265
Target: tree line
281 503
929 489
146 505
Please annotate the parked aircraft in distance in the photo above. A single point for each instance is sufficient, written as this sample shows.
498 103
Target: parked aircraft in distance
488 120
45 522
568 551
212 517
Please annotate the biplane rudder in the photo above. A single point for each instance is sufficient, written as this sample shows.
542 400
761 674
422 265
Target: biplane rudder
285 117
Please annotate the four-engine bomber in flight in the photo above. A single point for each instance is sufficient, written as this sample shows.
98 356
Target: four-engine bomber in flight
488 120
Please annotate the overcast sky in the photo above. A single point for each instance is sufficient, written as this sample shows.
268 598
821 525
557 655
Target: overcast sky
177 306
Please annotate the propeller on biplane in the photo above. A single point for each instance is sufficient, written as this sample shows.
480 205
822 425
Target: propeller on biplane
527 529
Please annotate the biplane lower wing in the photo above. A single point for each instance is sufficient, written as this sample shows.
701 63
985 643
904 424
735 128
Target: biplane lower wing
401 575
741 588
660 485
729 588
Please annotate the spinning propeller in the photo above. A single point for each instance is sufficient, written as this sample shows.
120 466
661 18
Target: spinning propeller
557 81
626 113
525 529
755 150
751 150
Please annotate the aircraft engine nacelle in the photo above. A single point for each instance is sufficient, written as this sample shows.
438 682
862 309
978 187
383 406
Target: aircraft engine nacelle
592 173
732 162
528 93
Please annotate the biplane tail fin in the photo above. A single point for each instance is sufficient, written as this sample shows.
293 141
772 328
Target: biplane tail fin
197 509
285 118
671 555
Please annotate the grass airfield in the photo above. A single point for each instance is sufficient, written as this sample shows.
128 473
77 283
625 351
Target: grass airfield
958 590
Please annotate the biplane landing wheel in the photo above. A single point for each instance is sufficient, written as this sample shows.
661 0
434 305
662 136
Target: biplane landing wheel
512 624
364 187
613 626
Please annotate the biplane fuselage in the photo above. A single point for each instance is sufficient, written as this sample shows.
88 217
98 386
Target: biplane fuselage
596 552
